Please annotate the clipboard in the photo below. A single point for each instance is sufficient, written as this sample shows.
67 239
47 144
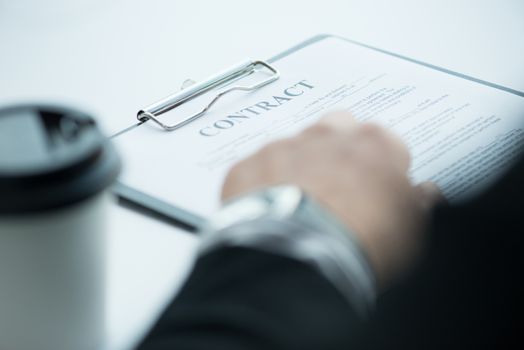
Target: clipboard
135 199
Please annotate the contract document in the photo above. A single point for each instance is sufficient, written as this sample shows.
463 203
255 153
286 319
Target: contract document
461 133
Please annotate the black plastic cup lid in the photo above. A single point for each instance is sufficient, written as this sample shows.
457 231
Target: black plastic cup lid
51 157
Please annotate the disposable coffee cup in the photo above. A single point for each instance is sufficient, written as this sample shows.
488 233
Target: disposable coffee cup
55 171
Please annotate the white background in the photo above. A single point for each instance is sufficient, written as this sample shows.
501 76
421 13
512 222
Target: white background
113 57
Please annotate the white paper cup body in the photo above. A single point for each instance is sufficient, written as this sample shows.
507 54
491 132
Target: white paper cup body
52 277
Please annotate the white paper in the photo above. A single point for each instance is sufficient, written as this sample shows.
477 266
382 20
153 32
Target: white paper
461 134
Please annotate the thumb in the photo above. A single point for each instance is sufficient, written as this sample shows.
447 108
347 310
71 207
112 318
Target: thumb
429 195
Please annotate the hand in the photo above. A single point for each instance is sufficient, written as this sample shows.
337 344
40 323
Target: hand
359 172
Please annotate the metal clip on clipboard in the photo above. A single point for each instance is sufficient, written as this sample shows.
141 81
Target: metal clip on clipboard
244 69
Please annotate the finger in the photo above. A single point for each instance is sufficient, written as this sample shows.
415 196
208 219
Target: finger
399 152
390 146
340 120
402 151
332 122
429 194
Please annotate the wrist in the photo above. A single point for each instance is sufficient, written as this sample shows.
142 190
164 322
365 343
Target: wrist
283 220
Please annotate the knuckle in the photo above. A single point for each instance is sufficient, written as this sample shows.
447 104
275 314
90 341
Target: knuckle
373 130
320 128
278 146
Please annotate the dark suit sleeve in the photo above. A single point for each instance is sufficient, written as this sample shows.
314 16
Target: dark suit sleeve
237 298
466 293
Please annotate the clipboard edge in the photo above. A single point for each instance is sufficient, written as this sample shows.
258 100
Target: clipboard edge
320 37
134 199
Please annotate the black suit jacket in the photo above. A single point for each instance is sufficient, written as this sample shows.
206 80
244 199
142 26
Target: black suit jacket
466 293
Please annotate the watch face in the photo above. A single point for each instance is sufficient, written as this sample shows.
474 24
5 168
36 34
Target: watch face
284 200
273 202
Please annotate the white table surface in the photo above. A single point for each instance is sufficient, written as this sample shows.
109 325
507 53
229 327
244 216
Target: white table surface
113 57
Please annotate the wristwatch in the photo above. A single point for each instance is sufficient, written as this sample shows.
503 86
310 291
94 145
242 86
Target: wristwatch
285 221
285 202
